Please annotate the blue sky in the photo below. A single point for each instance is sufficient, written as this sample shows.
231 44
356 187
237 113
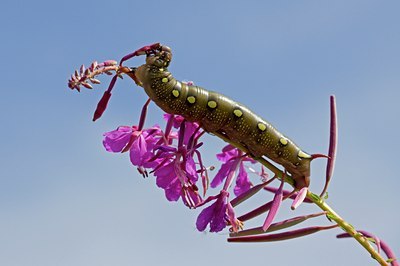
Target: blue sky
65 201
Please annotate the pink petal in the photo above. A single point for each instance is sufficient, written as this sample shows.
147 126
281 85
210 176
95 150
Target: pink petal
165 175
191 169
116 140
138 150
228 152
243 183
174 190
204 218
222 174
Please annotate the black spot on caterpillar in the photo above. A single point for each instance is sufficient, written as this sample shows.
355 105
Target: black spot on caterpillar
218 114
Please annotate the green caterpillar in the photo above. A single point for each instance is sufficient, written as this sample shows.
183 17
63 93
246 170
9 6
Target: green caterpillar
218 114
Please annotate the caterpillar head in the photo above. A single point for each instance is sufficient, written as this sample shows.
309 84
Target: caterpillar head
301 174
160 58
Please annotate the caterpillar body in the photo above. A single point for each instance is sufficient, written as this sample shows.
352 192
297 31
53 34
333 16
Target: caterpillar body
219 114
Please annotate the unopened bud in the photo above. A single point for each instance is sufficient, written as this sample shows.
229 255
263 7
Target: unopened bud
87 85
94 81
93 66
102 105
82 69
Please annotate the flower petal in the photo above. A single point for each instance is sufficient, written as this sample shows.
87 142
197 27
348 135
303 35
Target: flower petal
165 175
191 169
222 173
174 190
215 214
243 183
218 222
138 150
204 218
228 152
116 140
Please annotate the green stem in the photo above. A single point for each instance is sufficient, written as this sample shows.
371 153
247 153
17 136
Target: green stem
333 216
348 228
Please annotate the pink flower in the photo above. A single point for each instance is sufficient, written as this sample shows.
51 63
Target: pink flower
218 214
140 143
177 175
233 159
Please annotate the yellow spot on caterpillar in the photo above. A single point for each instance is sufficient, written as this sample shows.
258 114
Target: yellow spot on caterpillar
191 99
175 93
237 112
212 104
161 69
303 155
284 141
164 80
261 126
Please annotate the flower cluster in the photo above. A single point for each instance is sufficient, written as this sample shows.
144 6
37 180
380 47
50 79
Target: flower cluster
86 75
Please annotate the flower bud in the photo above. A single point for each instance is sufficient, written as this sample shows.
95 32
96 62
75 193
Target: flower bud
102 105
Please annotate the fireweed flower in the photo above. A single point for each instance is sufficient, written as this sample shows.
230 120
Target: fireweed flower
233 159
218 214
140 144
177 173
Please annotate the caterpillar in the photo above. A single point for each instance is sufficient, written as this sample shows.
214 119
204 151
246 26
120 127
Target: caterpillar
218 114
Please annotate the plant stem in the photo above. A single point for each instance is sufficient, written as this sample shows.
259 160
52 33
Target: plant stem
348 228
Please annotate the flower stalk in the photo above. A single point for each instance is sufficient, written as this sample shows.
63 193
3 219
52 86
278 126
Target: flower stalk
347 227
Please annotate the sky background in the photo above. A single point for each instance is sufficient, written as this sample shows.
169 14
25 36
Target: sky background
65 201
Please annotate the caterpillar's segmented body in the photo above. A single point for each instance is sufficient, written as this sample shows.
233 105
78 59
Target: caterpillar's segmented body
217 113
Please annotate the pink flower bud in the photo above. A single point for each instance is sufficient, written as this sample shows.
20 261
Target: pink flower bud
102 105
82 69
87 85
94 81
93 66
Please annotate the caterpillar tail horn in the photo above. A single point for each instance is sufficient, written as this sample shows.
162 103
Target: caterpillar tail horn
319 155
